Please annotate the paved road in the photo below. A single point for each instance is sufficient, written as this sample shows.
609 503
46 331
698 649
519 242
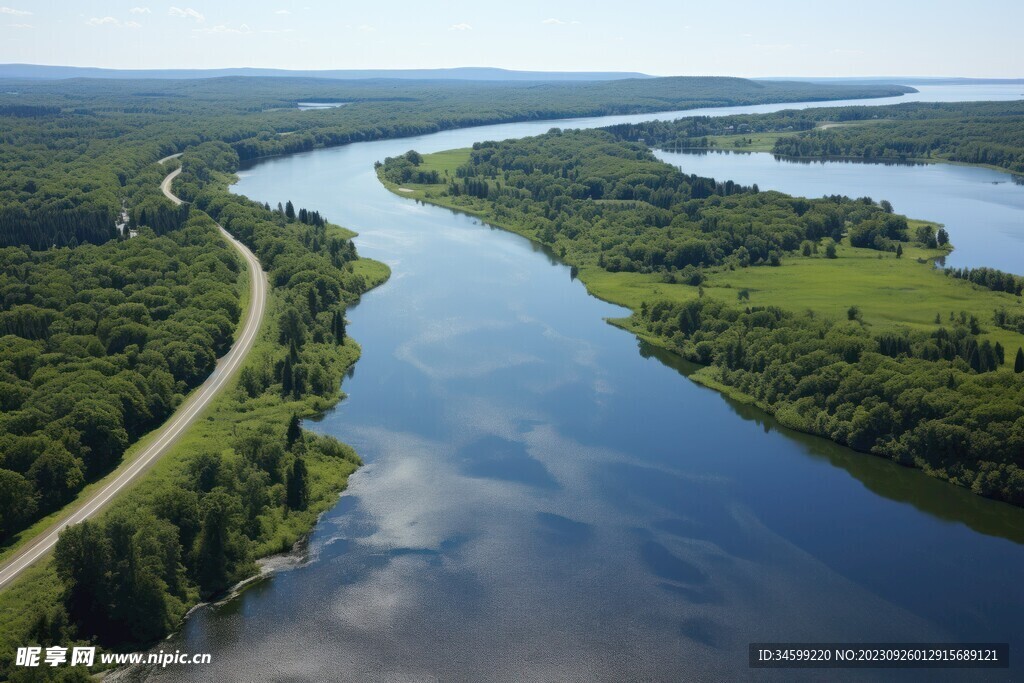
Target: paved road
165 187
172 430
168 158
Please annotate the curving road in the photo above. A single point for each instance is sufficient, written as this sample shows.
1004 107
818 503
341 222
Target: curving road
171 431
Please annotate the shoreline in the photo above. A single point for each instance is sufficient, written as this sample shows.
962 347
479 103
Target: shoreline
39 586
248 162
884 161
703 376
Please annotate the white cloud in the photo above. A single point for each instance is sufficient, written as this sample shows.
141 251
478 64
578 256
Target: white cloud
14 12
139 10
222 29
187 13
112 22
460 27
282 11
20 26
553 22
366 28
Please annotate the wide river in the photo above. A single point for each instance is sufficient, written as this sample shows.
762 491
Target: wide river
544 500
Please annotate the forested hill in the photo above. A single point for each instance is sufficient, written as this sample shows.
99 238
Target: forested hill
74 152
825 312
990 133
39 71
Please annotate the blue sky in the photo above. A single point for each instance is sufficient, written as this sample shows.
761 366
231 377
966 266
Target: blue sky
738 38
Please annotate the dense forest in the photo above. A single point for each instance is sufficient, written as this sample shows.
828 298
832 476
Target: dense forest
946 400
989 133
98 345
74 153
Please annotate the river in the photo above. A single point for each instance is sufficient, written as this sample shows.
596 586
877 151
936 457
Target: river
544 500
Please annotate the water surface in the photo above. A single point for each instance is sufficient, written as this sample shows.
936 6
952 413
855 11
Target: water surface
982 209
546 499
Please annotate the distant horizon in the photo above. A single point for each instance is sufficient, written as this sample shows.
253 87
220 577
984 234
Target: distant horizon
799 39
506 70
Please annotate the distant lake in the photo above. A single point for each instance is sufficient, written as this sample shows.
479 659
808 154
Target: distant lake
546 499
305 106
982 209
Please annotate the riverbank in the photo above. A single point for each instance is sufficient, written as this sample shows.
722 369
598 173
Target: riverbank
984 134
765 143
890 292
239 429
878 294
510 432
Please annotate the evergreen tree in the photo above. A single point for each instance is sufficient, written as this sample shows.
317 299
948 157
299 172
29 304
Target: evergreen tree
289 210
312 302
298 485
83 560
294 430
287 379
974 358
219 550
139 608
338 327
1018 364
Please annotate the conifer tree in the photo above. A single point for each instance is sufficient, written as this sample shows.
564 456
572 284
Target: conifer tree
298 485
294 430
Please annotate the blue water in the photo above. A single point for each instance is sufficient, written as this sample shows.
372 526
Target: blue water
982 209
545 499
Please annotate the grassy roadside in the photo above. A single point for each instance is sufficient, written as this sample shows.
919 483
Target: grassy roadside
29 534
39 588
890 292
231 413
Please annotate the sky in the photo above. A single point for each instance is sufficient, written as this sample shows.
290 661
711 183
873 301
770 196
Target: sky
736 38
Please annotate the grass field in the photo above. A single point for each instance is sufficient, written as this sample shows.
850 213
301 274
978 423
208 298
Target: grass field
744 142
764 142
